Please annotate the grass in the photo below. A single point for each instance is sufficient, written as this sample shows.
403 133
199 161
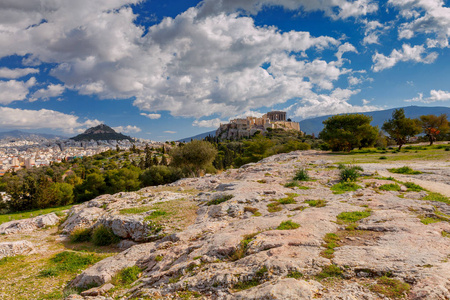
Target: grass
159 258
390 187
404 170
445 234
294 274
412 187
288 225
274 207
302 175
126 276
430 220
349 173
68 262
354 216
343 187
390 287
219 200
253 210
104 236
288 200
242 248
81 235
316 203
436 197
32 213
255 281
331 241
329 271
155 214
135 210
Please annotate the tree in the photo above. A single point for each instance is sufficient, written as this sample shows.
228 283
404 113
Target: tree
345 132
433 126
400 128
194 156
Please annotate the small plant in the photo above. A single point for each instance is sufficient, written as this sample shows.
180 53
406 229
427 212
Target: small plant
243 246
292 184
330 271
383 157
126 276
404 170
436 197
445 234
80 235
331 241
316 203
262 181
288 200
288 225
274 207
243 285
253 210
159 258
412 187
354 216
349 173
390 287
103 236
343 187
302 175
430 220
220 200
390 187
294 274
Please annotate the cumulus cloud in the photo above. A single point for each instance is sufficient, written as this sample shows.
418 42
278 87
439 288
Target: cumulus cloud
435 95
14 90
208 123
336 9
151 116
373 30
169 131
429 17
127 129
14 118
52 90
16 73
407 53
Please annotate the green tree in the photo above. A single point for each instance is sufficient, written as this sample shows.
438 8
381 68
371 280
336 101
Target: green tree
194 156
345 132
433 126
157 175
400 128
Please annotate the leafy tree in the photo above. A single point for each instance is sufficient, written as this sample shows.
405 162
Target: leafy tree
157 175
194 156
345 132
400 128
433 126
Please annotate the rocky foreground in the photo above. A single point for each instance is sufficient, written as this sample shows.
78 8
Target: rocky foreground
253 238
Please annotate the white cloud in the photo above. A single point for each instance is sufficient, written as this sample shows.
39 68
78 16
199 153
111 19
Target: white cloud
52 90
336 9
208 123
14 90
151 116
127 129
407 53
435 95
169 131
429 17
12 118
373 31
16 73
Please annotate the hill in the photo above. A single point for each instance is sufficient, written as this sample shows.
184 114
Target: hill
315 125
200 136
21 135
101 132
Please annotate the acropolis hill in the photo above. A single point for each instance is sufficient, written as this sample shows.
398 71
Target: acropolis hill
239 128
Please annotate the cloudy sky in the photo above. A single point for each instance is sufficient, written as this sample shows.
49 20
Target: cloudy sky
164 70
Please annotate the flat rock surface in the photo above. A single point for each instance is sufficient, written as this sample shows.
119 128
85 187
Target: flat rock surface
29 225
16 248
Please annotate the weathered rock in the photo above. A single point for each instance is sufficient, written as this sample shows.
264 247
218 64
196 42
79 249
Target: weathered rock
98 291
287 289
29 225
16 248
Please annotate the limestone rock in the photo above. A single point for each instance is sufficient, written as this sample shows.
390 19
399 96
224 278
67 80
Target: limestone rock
16 248
29 225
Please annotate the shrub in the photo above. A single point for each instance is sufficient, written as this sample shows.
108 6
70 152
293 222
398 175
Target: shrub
157 175
80 235
126 276
390 187
343 187
383 157
412 187
103 236
288 225
219 200
288 200
349 173
302 175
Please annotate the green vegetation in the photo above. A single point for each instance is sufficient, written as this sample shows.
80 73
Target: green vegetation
430 220
288 200
412 187
155 214
329 271
434 126
343 187
392 288
135 210
256 280
349 173
390 187
400 128
126 276
242 248
103 236
69 262
253 210
288 225
445 234
274 207
354 216
331 241
294 274
302 175
32 213
436 197
219 200
80 235
404 170
159 258
316 203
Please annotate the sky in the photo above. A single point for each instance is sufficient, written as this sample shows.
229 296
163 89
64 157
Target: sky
165 70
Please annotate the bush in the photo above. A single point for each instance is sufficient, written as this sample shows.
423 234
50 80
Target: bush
219 200
404 170
80 235
126 276
103 236
288 225
302 175
157 175
349 173
390 187
343 187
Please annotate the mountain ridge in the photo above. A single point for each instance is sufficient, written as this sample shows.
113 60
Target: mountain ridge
101 132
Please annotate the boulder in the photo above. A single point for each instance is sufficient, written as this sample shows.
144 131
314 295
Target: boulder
16 248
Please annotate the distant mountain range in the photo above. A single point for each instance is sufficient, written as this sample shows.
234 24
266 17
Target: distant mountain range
101 132
21 135
315 125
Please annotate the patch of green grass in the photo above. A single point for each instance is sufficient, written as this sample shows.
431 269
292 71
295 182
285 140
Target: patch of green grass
343 187
287 200
331 241
126 276
390 187
316 203
404 170
220 200
80 235
253 210
155 214
242 248
349 173
69 262
390 287
383 157
261 181
104 236
354 216
288 225
294 274
175 279
445 234
292 184
255 281
430 220
10 259
436 197
329 271
412 187
274 207
135 210
32 213
302 175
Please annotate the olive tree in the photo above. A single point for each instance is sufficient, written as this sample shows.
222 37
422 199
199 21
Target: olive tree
433 126
194 156
400 128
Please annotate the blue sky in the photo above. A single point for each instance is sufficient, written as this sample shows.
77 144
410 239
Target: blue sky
165 70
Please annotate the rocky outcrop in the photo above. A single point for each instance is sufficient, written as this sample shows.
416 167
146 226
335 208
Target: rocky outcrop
29 225
16 248
236 249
